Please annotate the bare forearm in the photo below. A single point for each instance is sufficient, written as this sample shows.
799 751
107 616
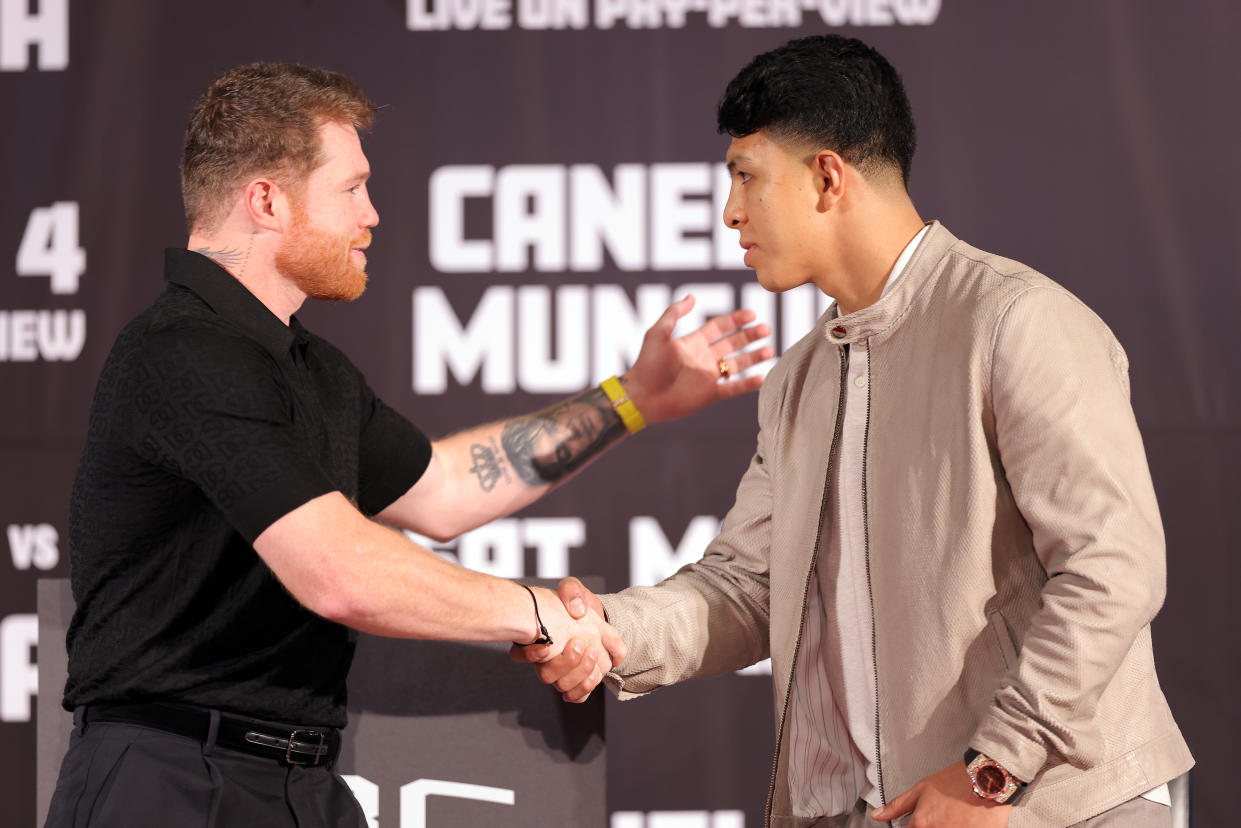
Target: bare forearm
504 466
413 593
549 446
478 475
344 567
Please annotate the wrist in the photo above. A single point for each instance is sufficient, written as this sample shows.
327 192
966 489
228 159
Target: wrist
620 392
540 635
991 780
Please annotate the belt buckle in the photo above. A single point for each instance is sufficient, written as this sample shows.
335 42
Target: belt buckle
316 748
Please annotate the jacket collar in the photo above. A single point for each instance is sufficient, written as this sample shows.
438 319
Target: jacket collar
230 300
887 312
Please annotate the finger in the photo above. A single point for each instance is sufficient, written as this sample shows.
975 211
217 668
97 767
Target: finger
582 691
718 326
554 669
749 359
586 667
579 696
737 387
528 653
738 340
900 806
612 642
667 321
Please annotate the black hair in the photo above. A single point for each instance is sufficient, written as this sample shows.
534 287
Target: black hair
833 92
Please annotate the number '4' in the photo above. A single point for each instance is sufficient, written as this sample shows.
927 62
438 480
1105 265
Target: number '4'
50 246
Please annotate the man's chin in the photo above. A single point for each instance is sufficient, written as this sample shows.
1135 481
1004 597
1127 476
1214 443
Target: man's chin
768 281
340 291
774 282
356 288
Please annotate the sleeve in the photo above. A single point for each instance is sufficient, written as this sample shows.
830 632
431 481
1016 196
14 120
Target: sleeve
213 410
1070 448
711 616
393 454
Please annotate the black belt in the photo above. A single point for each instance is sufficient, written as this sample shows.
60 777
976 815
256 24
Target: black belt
272 740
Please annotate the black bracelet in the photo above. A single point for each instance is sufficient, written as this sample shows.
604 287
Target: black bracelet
543 638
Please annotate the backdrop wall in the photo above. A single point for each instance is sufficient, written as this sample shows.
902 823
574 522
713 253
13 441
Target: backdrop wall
548 176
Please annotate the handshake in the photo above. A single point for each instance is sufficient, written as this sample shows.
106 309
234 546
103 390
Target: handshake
584 646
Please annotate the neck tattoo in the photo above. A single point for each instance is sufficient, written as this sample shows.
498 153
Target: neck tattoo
229 258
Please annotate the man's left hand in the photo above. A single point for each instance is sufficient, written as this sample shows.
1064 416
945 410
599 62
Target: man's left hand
673 378
945 800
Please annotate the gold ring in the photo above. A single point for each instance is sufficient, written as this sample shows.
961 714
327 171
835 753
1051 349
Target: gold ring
724 372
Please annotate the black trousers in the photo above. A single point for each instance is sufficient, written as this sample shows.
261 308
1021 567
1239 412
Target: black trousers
127 776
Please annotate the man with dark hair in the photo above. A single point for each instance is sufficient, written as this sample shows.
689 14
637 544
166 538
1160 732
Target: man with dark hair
947 540
225 534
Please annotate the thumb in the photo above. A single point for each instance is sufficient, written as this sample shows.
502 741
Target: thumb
528 653
577 599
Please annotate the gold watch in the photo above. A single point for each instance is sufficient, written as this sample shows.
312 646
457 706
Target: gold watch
992 780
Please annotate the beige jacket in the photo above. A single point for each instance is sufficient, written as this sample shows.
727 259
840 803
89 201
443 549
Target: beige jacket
1014 546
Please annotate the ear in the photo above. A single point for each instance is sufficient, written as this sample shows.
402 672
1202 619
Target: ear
829 173
266 204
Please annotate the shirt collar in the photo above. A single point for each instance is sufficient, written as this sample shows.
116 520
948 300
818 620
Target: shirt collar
230 299
909 274
903 259
898 268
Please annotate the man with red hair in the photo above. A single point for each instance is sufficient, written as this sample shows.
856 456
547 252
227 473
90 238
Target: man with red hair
227 532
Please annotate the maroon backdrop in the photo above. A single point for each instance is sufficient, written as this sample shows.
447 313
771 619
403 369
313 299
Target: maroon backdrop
546 172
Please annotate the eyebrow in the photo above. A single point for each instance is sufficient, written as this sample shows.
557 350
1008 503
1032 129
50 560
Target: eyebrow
732 163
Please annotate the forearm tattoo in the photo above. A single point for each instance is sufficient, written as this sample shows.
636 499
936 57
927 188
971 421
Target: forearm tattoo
488 465
548 446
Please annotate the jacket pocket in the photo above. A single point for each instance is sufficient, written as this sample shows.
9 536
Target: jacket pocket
1003 639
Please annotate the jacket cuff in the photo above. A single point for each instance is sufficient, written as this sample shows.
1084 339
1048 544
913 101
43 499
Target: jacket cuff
1019 755
633 678
615 615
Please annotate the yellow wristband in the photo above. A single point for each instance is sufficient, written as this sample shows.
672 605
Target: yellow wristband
622 405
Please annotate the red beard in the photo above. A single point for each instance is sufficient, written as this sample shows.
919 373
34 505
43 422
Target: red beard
322 264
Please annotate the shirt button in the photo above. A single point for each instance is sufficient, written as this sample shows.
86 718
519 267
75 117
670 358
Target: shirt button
860 382
839 332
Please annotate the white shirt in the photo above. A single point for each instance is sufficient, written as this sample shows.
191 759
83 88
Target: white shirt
832 757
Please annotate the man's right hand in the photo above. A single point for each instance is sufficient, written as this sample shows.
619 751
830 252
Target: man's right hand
579 667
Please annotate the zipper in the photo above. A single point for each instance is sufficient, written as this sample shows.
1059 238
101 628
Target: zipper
818 542
870 591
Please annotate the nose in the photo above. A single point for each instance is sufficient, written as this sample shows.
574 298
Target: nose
734 213
370 216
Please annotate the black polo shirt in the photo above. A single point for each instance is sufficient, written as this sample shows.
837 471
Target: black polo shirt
211 420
